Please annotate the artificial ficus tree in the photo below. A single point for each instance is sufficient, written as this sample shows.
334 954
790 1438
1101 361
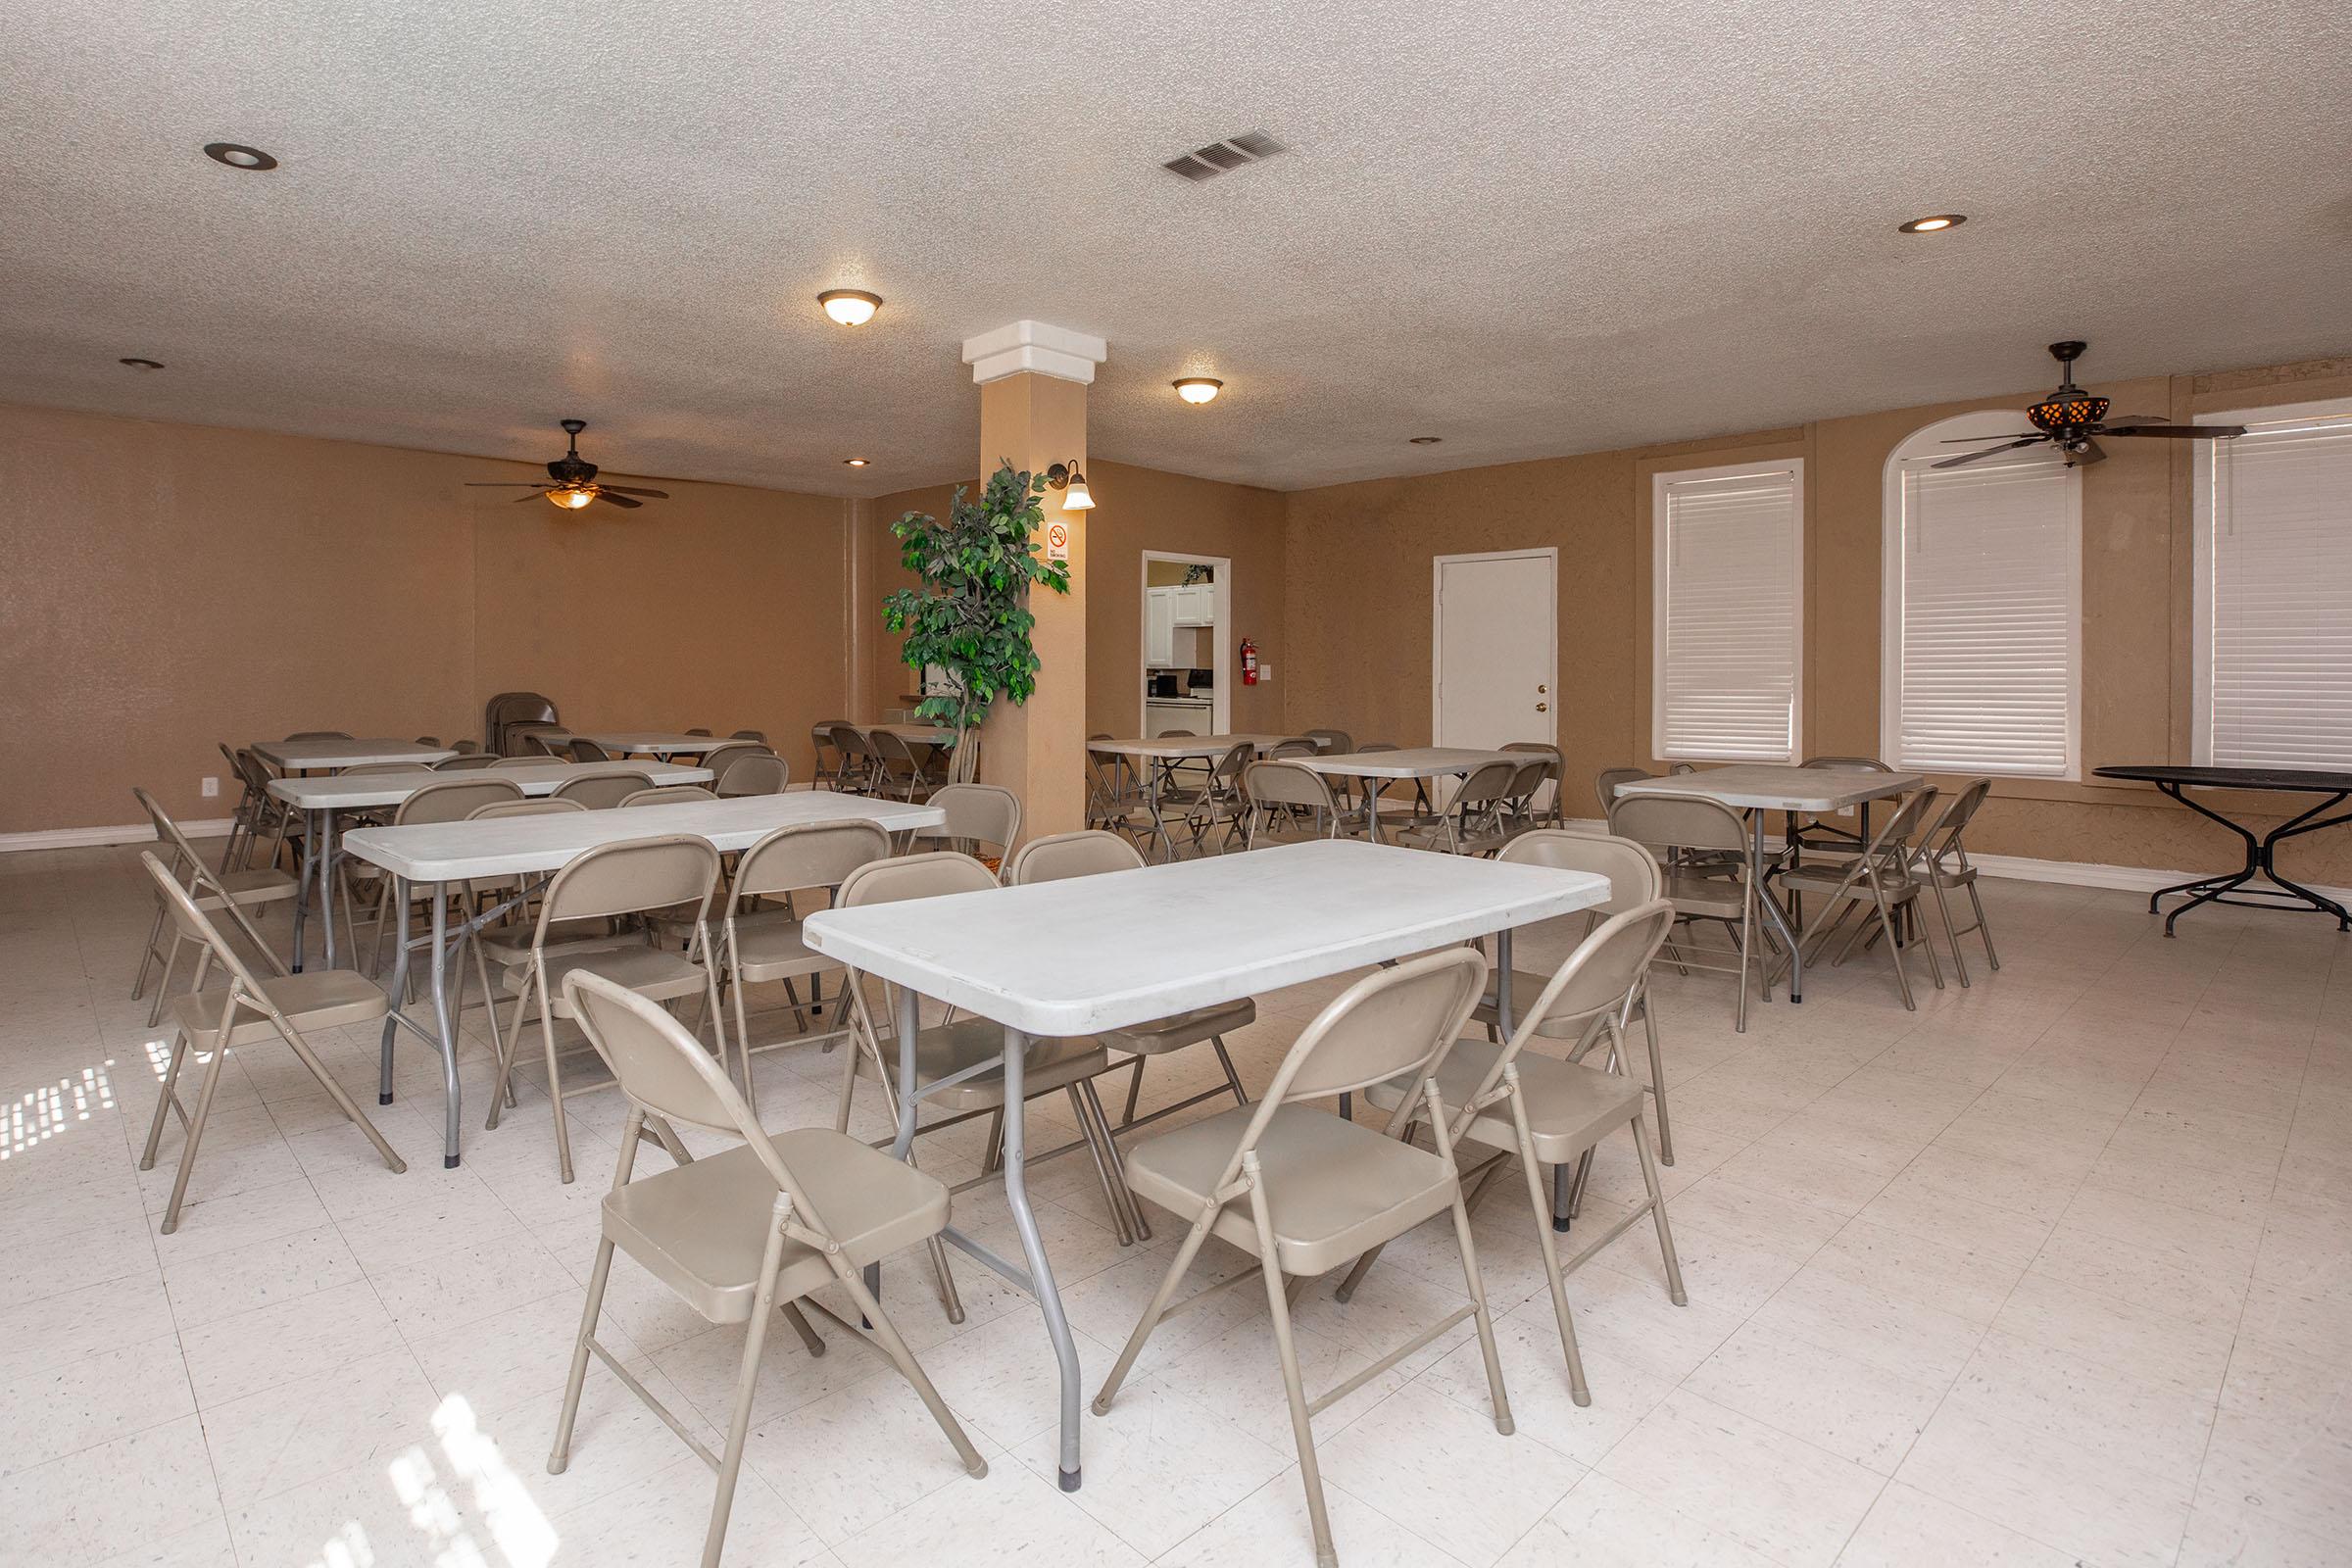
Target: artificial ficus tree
970 619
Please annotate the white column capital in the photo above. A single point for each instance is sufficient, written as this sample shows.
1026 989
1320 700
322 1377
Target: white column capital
1038 346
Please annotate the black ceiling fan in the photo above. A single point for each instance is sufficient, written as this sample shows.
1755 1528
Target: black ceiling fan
2070 418
574 479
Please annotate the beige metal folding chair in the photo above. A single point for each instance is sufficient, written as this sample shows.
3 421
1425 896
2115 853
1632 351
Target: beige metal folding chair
1092 852
244 1013
764 945
953 1052
1878 881
742 1235
602 790
1477 820
896 774
466 763
667 795
1673 825
1605 784
832 761
1943 863
983 821
749 771
245 890
451 800
1553 774
1331 742
584 750
630 877
1558 1111
1304 1190
1282 791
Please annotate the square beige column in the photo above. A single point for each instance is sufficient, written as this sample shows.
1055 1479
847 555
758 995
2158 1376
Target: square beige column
1033 378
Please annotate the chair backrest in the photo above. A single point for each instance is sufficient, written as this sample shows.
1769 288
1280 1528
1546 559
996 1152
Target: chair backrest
1529 778
630 877
930 875
467 762
1488 783
193 925
1286 783
1394 1023
1596 982
697 732
1632 870
1941 840
1060 856
380 767
1229 768
465 747
806 854
667 795
1177 734
584 750
985 813
539 745
752 771
1605 785
897 758
1331 741
1677 822
540 806
1300 747
1872 764
428 740
756 736
255 772
721 752
321 735
167 834
540 760
597 791
1903 828
455 800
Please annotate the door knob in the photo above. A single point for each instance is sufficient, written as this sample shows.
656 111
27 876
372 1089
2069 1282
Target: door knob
1542 707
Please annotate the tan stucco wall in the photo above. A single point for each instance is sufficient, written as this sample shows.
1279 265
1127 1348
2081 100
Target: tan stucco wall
169 586
1358 576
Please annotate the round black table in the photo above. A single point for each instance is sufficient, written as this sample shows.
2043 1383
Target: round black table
2262 853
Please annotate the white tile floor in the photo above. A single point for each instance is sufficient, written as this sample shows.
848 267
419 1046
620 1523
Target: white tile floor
2055 1270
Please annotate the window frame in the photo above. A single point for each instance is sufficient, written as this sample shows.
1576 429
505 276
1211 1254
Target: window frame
1929 440
2204 485
1661 585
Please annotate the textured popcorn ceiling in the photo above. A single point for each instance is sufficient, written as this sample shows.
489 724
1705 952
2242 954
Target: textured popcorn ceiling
1527 228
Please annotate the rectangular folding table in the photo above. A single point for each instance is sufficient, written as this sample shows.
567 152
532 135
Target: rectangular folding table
1761 788
313 754
1153 756
438 854
1070 958
320 798
655 742
1377 768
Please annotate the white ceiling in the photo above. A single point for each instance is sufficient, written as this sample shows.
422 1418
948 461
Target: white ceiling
1528 229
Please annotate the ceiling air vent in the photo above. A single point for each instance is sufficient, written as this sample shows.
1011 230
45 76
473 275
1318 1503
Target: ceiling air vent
1207 162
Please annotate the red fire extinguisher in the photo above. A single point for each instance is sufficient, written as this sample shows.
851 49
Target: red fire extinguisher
1248 663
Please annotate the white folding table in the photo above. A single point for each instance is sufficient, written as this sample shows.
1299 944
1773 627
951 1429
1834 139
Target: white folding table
1377 768
305 756
656 742
320 798
1757 789
1054 959
1154 757
442 853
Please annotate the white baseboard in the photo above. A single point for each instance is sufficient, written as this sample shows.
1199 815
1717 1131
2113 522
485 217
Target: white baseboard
74 837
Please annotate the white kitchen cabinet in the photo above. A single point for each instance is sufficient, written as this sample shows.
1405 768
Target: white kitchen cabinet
1160 640
1196 604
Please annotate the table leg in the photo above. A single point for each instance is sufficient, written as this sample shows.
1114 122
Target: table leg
1774 915
2261 861
302 884
1033 1248
399 990
445 1026
1153 777
323 832
1372 789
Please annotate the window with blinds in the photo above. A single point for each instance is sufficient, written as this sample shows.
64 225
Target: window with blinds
2273 608
1728 606
1983 608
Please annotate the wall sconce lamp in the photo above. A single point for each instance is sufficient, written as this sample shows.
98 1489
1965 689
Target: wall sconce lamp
1065 477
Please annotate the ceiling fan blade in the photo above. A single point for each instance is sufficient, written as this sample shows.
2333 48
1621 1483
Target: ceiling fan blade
607 493
535 494
624 490
497 484
1971 456
1956 440
2091 453
2210 432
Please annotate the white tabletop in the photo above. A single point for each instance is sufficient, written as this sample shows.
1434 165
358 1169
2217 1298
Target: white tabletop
345 790
1090 953
1171 747
1412 762
644 740
451 851
1763 787
345 753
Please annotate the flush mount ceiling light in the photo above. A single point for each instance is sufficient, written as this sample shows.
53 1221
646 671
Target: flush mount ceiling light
142 365
1933 224
239 156
1065 477
1427 440
855 463
1199 388
850 307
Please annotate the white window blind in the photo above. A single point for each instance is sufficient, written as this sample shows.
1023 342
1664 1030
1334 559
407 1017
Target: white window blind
1727 613
1982 618
2275 594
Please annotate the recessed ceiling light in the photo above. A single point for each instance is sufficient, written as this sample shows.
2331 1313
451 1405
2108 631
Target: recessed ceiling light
850 307
236 155
142 365
1427 440
1935 222
855 463
1199 388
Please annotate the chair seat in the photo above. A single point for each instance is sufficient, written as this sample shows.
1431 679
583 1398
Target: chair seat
316 998
702 1229
1334 1189
1829 876
649 971
244 888
1711 898
1183 1029
1570 1108
511 944
775 949
945 1050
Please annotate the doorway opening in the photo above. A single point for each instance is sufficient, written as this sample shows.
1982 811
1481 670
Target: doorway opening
1187 625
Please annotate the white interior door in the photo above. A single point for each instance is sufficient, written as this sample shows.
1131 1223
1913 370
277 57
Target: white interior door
1495 653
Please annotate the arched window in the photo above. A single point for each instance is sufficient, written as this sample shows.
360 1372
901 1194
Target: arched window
1982 606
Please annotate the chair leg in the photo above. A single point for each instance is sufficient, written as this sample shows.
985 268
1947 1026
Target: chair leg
138 986
187 1152
502 1093
746 1379
1894 952
1951 934
1983 930
886 1334
949 1301
1540 1201
1657 1214
181 1047
1135 1093
560 1455
1094 1146
1498 1400
162 982
1657 1077
555 1074
1184 1253
1302 1431
1118 1161
343 1101
1233 1079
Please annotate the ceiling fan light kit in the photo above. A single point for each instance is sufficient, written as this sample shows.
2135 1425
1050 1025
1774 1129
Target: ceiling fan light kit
574 484
2072 420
